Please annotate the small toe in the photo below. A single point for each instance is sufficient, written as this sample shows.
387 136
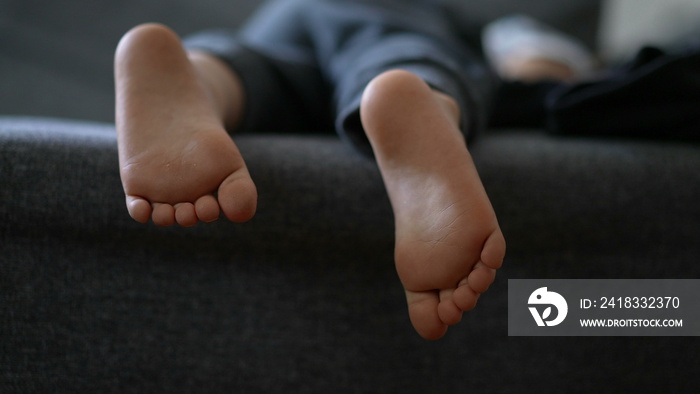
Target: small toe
481 277
139 209
163 214
464 296
185 214
207 209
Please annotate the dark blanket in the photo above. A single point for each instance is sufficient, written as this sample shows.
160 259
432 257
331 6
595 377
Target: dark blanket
657 95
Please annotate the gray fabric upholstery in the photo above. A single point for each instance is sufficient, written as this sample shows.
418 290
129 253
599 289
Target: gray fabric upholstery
303 298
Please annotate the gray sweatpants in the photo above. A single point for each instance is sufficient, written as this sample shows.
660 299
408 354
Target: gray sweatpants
305 63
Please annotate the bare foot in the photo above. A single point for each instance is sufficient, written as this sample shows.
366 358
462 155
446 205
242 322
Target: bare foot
178 164
523 49
448 242
534 70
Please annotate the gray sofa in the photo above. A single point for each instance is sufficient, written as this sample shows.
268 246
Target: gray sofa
303 298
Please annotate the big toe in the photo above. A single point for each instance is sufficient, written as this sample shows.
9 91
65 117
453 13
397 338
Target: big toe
238 197
139 209
423 312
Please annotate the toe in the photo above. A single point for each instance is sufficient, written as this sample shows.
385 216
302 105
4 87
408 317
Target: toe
464 296
185 214
423 311
207 209
481 277
494 250
163 214
238 197
139 209
448 311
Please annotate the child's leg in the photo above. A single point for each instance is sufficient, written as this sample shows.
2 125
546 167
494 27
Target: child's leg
448 242
177 162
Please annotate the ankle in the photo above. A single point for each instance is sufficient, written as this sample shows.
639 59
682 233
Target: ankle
222 85
450 107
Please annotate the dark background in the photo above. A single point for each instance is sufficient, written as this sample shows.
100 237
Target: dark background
56 56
